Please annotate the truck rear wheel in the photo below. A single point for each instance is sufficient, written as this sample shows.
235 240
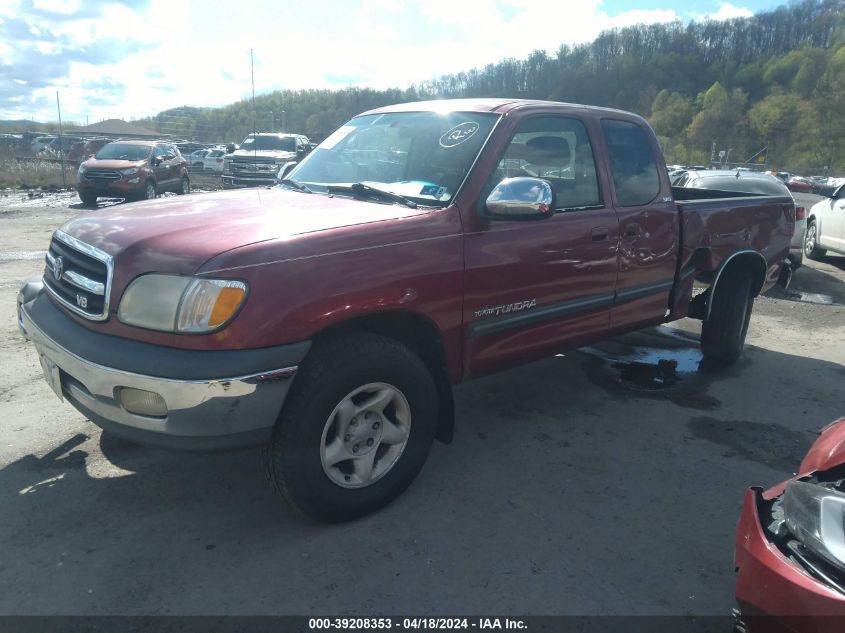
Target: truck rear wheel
723 332
356 429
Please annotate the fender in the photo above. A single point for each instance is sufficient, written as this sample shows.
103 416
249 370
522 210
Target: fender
827 451
724 265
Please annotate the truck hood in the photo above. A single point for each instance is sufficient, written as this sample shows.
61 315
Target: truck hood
177 234
264 153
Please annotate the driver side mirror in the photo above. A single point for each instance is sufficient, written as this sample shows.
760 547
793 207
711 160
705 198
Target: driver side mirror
156 161
230 148
520 199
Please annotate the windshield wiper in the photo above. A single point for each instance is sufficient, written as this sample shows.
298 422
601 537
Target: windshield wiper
359 189
295 185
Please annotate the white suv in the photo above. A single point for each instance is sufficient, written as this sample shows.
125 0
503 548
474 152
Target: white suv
826 226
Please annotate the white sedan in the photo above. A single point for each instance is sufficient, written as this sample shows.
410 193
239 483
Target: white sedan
826 226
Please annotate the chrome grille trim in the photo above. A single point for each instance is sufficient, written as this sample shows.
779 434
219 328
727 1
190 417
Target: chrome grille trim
93 253
102 174
80 281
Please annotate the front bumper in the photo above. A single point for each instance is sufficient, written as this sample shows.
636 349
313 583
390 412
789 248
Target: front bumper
126 187
241 182
203 411
773 592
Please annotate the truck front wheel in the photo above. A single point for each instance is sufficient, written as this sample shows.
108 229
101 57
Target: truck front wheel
723 332
356 429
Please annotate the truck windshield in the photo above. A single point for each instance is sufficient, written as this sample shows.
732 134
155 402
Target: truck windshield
283 144
121 151
424 156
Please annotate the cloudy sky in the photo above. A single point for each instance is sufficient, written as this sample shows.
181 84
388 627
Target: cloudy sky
135 58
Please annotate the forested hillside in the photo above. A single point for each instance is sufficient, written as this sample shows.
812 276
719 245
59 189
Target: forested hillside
776 79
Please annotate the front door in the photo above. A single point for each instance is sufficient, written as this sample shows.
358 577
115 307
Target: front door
533 286
648 223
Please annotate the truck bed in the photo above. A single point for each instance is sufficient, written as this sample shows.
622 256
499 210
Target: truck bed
716 225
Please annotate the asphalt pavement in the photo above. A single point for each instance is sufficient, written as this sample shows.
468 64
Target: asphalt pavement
603 481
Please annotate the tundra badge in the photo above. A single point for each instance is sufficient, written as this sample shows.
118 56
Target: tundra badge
507 308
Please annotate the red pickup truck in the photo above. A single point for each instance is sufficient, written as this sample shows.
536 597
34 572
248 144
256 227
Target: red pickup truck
418 246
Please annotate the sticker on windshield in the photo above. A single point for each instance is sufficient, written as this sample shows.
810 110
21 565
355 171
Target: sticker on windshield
458 134
337 136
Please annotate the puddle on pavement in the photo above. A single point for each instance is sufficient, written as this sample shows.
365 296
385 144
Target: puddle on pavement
658 364
774 445
804 297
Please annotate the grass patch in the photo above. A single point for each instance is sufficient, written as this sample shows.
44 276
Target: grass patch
34 174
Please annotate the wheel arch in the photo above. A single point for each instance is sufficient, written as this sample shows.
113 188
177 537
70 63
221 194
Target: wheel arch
422 336
750 260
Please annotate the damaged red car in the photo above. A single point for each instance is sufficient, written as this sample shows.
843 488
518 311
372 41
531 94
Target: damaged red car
790 546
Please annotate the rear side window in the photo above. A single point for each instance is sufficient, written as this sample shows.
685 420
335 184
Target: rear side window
635 173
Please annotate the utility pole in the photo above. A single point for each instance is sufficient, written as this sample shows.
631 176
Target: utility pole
252 74
61 142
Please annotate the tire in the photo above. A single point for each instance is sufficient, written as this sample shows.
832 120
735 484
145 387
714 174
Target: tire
811 242
89 200
723 333
184 186
340 373
149 191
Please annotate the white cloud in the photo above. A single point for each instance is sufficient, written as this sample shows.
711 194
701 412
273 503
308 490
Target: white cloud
727 11
199 56
57 6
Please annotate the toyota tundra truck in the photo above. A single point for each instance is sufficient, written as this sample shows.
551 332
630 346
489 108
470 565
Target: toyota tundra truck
328 317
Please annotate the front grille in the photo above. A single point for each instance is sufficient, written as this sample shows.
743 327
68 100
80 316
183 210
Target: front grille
263 168
99 175
78 276
253 159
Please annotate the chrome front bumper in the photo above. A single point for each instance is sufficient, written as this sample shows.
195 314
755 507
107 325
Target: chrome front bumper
201 414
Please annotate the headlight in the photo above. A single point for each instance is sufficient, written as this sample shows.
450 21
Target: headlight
227 165
816 516
173 303
129 171
81 168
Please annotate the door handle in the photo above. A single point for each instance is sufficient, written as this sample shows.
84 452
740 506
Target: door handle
632 230
599 234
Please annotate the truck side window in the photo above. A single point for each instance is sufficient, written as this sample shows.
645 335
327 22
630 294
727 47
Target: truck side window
558 150
634 171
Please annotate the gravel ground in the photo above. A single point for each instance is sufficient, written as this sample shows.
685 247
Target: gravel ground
605 481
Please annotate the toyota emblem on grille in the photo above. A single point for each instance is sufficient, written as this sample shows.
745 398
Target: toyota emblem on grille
58 268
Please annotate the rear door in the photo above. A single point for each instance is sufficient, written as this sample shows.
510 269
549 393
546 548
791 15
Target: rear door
648 223
533 286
